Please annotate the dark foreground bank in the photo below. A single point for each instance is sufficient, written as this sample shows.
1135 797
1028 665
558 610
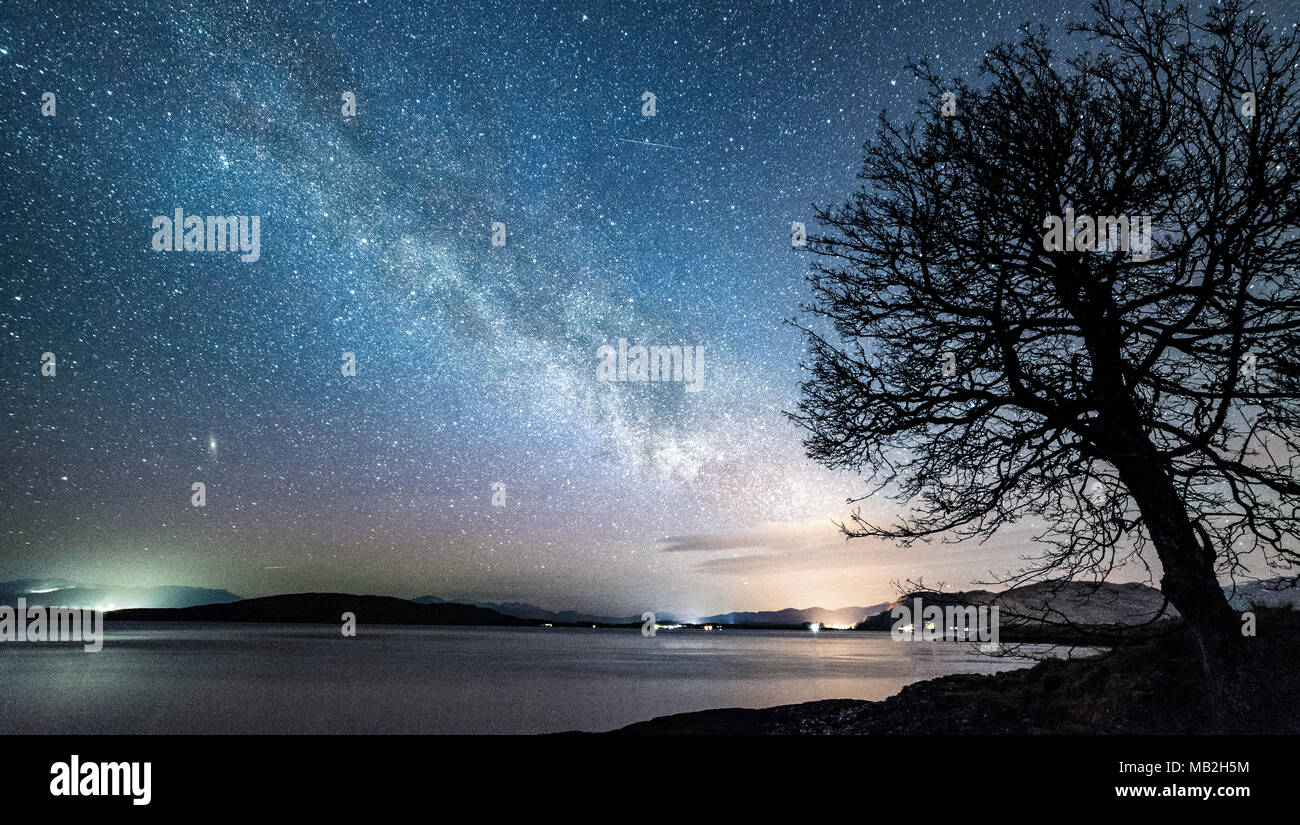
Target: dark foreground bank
1156 687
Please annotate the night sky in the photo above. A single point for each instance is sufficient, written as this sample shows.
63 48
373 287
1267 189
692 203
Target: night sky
476 364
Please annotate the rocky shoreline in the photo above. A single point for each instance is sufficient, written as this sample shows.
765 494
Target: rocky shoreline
1151 688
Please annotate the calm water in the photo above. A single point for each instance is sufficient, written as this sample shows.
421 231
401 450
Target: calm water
246 678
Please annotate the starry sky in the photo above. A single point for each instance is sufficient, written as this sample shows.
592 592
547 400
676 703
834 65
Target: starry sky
476 364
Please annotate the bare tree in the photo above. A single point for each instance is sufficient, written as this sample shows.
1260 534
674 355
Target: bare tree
972 366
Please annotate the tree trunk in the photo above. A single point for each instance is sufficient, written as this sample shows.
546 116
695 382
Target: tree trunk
1189 580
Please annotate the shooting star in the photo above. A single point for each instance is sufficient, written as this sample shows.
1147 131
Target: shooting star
648 143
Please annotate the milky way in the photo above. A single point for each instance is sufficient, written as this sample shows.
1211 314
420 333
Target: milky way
475 363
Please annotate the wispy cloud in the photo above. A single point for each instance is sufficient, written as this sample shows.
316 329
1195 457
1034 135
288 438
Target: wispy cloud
818 545
788 536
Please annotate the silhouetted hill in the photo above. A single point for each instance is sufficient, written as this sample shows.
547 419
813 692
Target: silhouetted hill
327 608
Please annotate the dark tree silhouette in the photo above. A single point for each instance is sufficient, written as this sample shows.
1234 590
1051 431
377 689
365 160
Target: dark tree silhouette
1125 404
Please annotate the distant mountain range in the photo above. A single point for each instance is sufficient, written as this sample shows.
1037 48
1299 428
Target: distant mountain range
1024 611
329 607
840 617
523 610
64 593
154 602
791 616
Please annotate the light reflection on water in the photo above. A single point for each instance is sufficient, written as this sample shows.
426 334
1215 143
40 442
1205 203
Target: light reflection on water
279 678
